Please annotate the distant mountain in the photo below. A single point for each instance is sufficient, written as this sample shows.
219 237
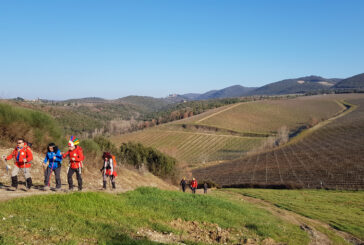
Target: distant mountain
296 85
86 100
229 92
351 82
191 96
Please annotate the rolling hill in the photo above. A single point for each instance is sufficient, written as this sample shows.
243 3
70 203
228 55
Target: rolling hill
351 82
297 85
229 92
330 156
229 132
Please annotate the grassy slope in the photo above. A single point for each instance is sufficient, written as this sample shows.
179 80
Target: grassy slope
340 209
35 126
105 218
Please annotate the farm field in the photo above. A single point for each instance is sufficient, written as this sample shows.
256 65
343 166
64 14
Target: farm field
229 132
266 117
340 209
195 147
329 157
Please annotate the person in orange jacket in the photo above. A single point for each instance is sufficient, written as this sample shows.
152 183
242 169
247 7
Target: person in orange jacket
23 156
193 185
76 157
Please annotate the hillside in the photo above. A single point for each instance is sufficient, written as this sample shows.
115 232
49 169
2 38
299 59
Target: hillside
231 131
229 92
147 104
128 179
327 156
351 82
297 85
267 116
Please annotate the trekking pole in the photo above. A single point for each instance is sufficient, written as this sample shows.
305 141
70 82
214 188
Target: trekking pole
7 167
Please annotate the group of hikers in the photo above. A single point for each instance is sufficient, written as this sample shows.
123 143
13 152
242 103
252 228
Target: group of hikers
193 185
23 157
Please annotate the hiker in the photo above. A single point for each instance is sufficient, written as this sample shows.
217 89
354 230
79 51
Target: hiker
76 157
54 157
183 184
205 186
193 185
23 157
108 169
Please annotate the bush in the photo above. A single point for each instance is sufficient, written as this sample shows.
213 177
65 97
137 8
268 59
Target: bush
157 163
106 145
94 148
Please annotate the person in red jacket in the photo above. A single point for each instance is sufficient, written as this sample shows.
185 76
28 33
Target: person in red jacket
108 169
193 185
76 157
23 156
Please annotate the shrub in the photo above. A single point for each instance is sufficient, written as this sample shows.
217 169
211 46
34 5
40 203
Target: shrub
36 127
106 145
156 162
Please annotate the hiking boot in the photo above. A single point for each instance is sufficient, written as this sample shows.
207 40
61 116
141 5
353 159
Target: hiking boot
46 188
104 185
57 189
113 185
14 182
29 183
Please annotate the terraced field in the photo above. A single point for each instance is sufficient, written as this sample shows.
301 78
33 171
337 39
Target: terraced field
330 157
230 132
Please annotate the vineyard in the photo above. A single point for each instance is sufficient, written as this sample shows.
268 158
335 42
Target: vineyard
229 132
268 116
195 147
330 157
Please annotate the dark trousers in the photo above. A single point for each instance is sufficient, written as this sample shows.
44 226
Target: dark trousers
193 190
71 171
47 176
183 188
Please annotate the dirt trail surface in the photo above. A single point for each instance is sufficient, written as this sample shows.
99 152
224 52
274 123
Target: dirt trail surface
126 180
218 112
306 224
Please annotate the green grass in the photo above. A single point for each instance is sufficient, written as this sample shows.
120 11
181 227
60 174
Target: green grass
343 210
106 218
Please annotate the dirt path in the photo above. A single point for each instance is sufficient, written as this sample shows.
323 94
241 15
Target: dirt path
211 134
311 226
218 112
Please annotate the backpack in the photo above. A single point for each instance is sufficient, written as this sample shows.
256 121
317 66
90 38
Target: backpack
113 160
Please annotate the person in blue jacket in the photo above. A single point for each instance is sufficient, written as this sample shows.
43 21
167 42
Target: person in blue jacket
52 162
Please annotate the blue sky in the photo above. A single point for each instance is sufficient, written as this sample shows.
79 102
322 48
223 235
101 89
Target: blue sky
71 49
